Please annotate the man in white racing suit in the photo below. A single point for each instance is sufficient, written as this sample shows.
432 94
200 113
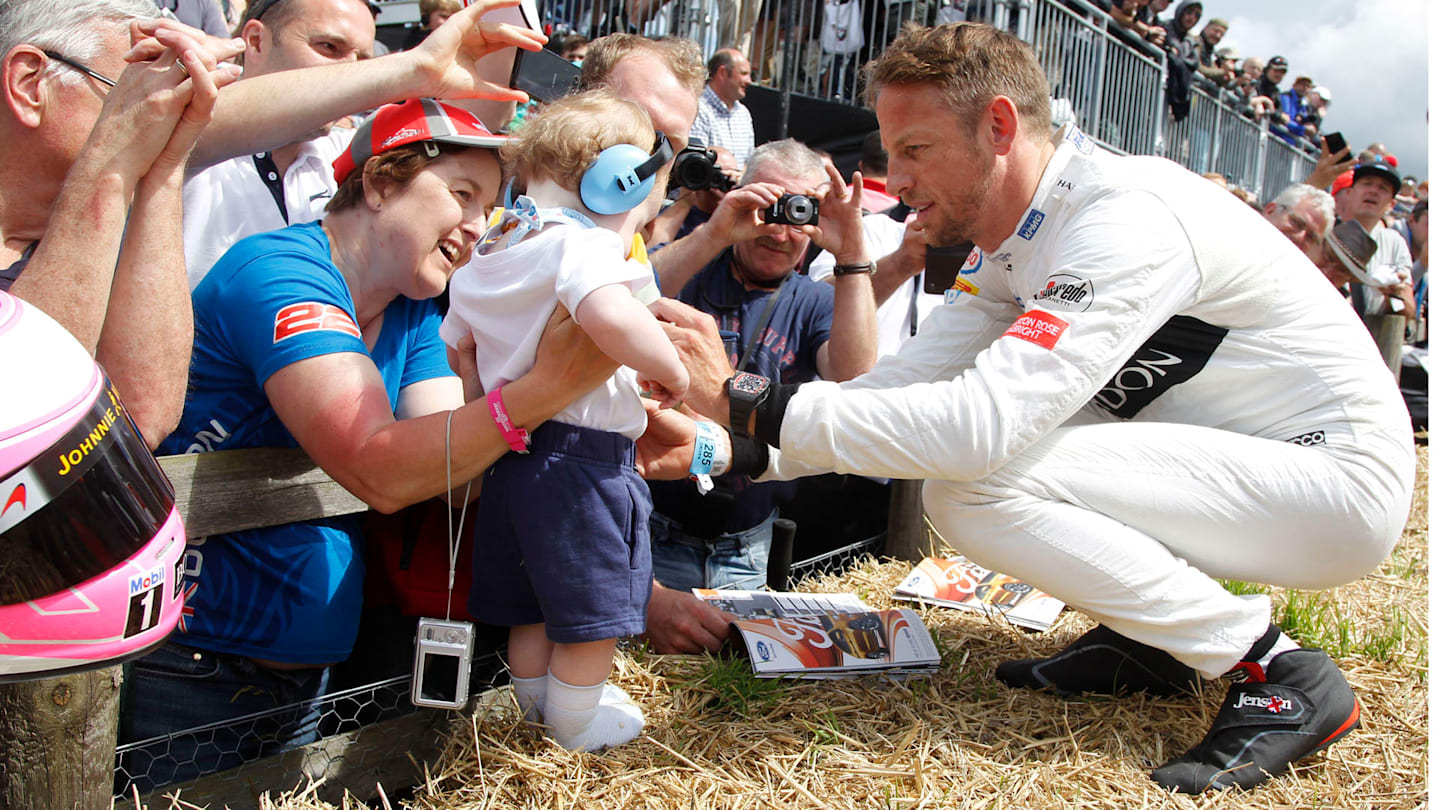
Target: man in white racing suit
1139 387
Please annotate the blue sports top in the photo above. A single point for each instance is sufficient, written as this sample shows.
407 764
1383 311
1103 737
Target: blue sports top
286 593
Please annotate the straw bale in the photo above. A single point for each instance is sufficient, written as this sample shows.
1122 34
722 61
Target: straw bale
957 739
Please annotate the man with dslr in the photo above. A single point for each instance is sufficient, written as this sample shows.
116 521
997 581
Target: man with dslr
739 267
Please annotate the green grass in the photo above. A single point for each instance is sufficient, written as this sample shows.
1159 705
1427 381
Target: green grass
825 729
735 689
1240 588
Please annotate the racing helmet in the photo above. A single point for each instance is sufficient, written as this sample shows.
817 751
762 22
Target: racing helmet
91 545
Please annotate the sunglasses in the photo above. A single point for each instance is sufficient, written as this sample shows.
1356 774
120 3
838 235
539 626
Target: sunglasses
71 63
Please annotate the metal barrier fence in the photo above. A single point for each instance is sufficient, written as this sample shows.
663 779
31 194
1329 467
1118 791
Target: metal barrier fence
1115 90
1110 82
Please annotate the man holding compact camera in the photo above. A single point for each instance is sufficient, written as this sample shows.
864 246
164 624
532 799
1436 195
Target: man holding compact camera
739 266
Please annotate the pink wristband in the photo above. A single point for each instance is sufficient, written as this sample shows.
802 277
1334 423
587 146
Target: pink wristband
517 438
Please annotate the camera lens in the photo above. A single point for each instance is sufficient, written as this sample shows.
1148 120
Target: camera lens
798 210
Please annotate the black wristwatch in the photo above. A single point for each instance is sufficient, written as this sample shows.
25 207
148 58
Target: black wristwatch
746 390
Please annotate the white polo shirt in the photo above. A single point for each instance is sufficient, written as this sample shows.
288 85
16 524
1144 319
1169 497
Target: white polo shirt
231 200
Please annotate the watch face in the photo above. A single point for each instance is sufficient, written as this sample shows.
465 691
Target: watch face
748 384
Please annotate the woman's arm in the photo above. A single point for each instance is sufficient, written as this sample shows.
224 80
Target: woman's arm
336 407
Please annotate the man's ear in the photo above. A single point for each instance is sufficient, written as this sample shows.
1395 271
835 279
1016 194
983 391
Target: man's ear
1001 124
256 36
23 69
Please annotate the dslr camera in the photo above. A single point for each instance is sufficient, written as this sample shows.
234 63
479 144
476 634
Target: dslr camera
794 209
695 169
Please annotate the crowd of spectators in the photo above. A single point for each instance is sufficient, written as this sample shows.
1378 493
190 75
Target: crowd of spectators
297 195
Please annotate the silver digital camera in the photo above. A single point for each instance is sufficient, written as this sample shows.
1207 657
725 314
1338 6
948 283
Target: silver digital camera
442 663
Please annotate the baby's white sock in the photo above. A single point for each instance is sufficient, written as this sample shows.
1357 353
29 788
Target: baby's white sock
530 694
589 718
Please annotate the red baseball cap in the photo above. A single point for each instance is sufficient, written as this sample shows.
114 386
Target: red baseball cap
1393 161
413 121
1343 182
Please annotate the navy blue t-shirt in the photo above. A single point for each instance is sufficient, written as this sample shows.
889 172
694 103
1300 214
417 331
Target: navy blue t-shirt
786 352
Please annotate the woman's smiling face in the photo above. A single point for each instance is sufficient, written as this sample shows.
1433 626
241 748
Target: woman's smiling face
430 225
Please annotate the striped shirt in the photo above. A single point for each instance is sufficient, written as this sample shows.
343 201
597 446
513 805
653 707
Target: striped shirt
732 127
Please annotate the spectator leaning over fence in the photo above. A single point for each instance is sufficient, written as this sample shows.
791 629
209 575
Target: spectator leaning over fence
1149 14
95 150
1305 215
1295 103
1183 57
785 327
1208 41
722 119
1126 14
564 561
1053 449
1268 85
321 336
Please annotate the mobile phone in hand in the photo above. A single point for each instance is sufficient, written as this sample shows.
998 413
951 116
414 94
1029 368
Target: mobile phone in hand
1335 142
544 74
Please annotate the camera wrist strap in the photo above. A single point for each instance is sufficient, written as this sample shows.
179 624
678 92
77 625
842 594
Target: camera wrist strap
452 537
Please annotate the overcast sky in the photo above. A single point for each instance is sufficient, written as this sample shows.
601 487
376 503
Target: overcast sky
1372 55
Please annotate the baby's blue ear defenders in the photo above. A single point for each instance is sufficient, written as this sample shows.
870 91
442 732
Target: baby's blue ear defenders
622 176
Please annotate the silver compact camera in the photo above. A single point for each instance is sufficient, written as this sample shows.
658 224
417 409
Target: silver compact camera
442 663
794 209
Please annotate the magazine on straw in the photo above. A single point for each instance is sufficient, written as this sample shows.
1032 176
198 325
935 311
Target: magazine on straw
956 582
820 636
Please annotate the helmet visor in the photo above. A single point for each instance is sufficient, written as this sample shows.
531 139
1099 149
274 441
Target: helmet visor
82 507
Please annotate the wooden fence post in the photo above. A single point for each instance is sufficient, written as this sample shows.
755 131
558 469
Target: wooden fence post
57 741
906 538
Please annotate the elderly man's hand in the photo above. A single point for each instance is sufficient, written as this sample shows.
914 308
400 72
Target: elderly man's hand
677 622
152 116
738 217
448 56
840 231
702 352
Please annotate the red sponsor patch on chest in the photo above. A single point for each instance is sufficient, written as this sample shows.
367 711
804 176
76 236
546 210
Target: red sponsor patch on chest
312 316
1038 327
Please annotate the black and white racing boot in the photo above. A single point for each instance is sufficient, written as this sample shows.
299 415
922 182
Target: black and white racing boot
1303 705
1103 661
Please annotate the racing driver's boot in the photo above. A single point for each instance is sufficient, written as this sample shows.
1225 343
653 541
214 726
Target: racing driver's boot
1303 705
1103 661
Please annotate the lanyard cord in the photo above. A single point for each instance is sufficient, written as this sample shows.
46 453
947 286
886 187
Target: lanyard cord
453 537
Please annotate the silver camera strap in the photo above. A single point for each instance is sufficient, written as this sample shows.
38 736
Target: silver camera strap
453 537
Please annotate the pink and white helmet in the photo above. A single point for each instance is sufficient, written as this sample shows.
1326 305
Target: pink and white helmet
90 541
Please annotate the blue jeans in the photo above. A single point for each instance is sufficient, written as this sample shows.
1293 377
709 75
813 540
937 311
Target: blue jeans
735 559
178 688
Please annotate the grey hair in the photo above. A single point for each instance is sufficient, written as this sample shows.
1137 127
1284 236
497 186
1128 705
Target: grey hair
1298 193
788 156
74 28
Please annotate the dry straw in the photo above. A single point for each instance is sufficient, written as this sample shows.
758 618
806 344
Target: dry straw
956 740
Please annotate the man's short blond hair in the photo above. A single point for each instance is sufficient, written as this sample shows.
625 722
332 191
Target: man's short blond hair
971 64
682 56
565 138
